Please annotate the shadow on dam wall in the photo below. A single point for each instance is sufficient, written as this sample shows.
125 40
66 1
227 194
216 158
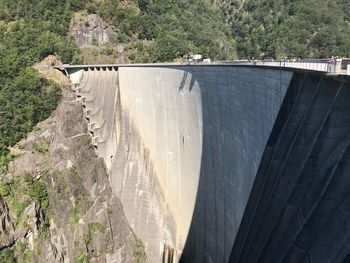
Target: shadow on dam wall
299 207
238 115
192 140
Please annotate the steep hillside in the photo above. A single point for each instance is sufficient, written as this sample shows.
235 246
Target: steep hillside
163 30
37 208
29 31
159 30
56 204
284 28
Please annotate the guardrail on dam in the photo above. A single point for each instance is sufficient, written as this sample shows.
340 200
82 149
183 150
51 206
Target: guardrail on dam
184 145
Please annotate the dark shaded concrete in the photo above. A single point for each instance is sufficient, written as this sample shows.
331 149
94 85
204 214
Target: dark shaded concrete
298 210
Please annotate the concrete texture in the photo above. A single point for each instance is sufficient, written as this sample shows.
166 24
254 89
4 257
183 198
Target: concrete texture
97 92
186 143
298 210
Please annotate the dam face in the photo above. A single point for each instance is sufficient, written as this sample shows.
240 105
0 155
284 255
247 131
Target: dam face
183 145
204 131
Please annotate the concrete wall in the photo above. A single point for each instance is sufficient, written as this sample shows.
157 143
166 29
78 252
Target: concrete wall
188 142
298 209
205 129
96 90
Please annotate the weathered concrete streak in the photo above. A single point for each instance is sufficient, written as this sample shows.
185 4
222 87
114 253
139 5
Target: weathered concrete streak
96 89
165 118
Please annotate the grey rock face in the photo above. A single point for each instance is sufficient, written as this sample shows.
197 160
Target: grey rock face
89 30
6 225
85 221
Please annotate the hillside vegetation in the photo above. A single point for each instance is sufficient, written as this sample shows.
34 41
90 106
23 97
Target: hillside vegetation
290 28
29 31
164 30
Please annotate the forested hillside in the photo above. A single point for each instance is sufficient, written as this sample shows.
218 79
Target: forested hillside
163 30
289 28
29 31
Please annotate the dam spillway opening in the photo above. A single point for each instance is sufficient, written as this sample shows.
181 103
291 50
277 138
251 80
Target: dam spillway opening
186 147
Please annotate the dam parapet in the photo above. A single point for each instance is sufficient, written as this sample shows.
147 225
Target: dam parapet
332 67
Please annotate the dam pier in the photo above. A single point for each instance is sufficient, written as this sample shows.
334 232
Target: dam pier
226 162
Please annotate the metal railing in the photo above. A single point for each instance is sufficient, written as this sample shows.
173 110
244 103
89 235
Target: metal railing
336 67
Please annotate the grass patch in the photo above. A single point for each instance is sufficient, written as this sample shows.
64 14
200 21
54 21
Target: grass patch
72 172
20 191
22 252
7 256
5 160
77 210
96 227
17 253
82 258
41 147
139 251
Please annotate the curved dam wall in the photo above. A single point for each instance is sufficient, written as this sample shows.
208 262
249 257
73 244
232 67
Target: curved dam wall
187 142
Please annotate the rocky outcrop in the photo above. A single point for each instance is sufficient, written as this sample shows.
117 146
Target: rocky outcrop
89 29
46 69
57 204
6 226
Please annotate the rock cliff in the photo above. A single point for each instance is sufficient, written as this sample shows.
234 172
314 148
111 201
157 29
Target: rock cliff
89 29
56 204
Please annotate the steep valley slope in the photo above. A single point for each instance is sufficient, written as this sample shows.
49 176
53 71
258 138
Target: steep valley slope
56 203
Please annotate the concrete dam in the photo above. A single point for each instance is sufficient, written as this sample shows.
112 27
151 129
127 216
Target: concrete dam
225 163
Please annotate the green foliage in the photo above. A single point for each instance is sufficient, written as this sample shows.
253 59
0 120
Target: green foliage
94 41
7 256
166 30
25 100
77 210
5 189
29 31
18 253
6 158
20 191
22 252
82 258
96 227
278 29
139 251
41 146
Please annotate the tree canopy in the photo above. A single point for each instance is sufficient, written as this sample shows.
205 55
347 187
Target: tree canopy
290 28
